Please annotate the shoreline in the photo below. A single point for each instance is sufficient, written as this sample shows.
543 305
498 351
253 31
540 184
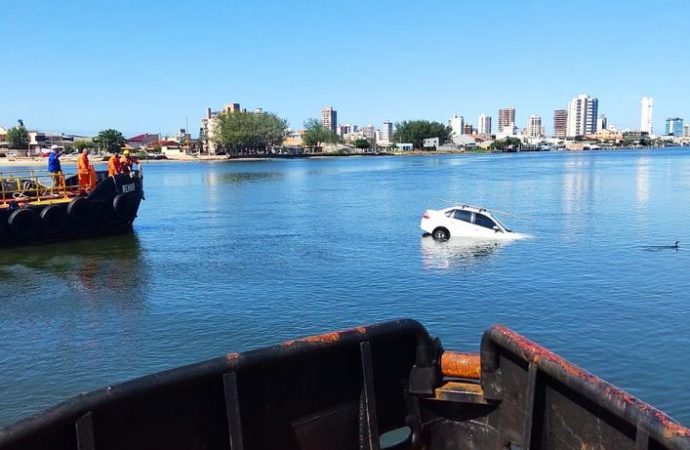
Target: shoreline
36 161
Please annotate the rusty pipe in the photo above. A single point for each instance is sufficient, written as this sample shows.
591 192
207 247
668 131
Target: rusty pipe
461 365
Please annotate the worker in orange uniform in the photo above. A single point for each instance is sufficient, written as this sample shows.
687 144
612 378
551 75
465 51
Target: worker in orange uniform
114 165
83 169
85 172
127 161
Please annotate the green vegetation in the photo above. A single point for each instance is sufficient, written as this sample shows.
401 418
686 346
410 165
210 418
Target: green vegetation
415 131
241 131
110 140
17 137
315 134
362 143
81 145
646 141
508 143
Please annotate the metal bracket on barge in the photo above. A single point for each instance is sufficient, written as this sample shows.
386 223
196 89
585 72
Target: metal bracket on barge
386 386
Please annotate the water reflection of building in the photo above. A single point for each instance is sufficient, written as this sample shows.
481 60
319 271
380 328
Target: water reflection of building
575 189
642 181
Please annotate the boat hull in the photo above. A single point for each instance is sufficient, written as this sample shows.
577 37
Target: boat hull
382 386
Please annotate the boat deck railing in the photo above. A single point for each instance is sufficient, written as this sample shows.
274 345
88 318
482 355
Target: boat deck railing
34 186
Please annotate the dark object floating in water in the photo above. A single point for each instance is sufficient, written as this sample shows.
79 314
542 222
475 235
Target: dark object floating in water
382 386
653 248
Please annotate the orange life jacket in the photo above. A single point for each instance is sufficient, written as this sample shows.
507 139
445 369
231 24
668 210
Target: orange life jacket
83 164
114 166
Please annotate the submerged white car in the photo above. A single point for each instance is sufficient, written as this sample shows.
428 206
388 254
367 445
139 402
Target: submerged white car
465 221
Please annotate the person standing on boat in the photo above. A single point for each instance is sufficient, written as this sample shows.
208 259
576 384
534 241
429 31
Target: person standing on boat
127 161
84 170
114 165
54 167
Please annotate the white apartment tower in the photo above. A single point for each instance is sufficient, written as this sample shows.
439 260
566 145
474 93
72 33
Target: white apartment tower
457 123
387 133
329 118
582 116
534 128
484 124
646 114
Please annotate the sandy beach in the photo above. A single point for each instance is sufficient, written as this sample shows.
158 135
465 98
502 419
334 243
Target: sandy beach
68 161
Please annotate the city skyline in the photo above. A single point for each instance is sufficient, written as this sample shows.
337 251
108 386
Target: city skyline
108 67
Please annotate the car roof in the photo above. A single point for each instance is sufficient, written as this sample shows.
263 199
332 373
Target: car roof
471 208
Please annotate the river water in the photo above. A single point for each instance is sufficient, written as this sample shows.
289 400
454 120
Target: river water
233 256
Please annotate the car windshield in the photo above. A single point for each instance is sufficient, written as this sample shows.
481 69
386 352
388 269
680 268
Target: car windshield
502 225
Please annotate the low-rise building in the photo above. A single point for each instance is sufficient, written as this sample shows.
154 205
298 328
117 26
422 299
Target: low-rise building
431 143
294 138
605 135
142 141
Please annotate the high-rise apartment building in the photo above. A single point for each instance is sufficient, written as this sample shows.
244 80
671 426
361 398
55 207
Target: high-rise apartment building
484 124
602 123
506 118
457 124
646 111
387 132
686 130
534 128
582 116
560 123
468 129
329 118
674 127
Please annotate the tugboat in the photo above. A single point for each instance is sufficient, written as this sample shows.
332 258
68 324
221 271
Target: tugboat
31 212
386 386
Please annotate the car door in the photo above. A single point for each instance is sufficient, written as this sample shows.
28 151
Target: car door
484 225
460 223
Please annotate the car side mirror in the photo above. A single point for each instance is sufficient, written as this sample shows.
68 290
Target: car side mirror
496 229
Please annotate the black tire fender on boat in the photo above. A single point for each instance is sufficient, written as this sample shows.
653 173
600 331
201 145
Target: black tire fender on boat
79 210
54 219
4 232
123 205
24 223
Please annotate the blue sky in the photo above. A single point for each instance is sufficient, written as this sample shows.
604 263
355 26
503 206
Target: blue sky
80 66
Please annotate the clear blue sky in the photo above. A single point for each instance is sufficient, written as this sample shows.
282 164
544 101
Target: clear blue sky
146 65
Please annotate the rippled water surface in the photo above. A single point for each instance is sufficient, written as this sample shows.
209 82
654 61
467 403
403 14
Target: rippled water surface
233 256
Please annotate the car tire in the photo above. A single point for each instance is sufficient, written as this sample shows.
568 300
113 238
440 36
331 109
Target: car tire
440 234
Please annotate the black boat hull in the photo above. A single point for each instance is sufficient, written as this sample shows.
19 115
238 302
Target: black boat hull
383 386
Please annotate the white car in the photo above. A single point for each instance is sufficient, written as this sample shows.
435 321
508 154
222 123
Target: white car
465 221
